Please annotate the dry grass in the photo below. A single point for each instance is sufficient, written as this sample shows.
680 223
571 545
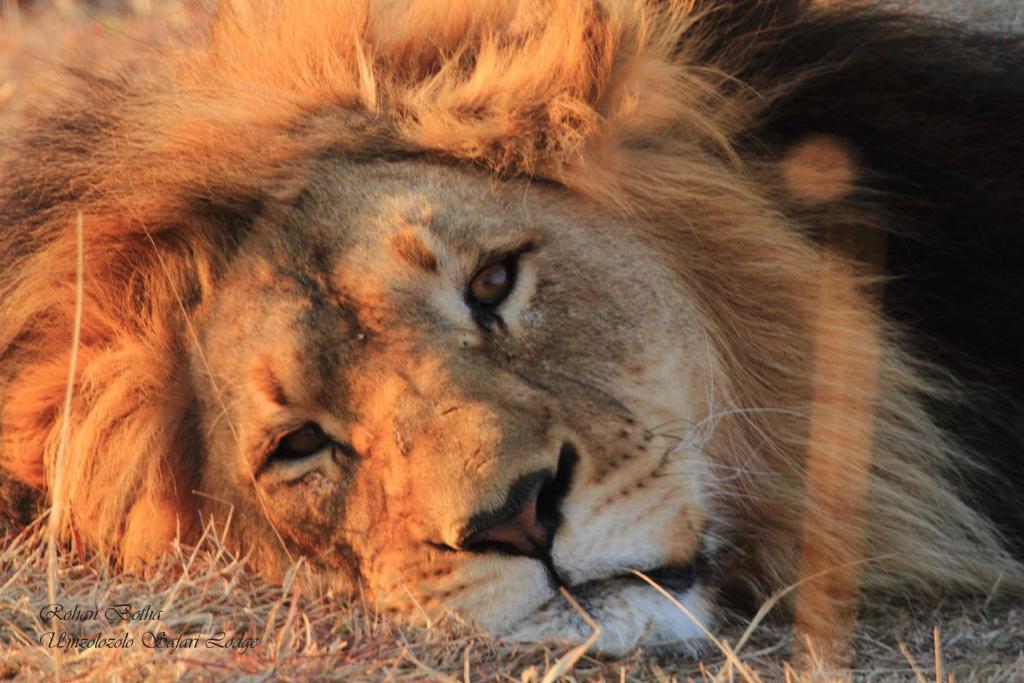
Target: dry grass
206 589
202 590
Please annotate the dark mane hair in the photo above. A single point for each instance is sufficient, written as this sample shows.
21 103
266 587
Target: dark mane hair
934 112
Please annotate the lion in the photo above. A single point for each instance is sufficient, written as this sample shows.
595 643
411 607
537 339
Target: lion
472 306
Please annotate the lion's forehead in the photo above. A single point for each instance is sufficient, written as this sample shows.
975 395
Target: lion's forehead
384 250
360 205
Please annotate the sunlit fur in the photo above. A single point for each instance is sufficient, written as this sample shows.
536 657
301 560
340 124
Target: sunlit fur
614 105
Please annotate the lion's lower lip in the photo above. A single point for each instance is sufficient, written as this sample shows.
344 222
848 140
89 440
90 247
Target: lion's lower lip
675 578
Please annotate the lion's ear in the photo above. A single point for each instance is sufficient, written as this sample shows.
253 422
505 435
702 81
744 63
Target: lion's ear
819 169
160 514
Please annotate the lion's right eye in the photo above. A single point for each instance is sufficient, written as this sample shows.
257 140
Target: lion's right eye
305 441
493 284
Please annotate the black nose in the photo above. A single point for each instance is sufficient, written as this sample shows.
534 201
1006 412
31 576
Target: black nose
527 522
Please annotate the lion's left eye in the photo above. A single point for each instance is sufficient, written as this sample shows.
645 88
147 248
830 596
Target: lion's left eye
305 441
492 285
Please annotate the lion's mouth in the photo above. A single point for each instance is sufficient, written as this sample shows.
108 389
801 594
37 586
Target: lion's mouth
627 609
674 578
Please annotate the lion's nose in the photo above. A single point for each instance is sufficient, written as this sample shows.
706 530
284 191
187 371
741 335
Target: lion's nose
524 525
527 521
516 526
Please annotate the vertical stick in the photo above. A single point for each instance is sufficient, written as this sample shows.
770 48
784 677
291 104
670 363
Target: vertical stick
55 523
846 368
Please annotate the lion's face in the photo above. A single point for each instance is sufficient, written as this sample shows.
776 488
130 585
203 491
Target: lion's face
463 394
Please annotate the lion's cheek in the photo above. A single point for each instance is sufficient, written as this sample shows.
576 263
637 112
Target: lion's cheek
494 593
682 540
498 592
645 524
381 524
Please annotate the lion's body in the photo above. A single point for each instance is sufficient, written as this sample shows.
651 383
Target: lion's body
698 360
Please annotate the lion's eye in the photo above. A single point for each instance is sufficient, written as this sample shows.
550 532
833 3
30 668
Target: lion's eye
305 441
493 284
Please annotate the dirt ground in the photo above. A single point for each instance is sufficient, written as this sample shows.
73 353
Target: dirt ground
285 634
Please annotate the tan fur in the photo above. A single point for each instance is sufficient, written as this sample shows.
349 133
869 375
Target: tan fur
819 169
593 97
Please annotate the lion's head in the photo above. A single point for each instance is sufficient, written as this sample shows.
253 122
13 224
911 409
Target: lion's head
464 303
465 394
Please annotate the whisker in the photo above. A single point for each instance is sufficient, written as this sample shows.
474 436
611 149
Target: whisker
659 427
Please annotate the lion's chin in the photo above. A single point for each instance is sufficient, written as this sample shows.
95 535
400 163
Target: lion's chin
630 612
